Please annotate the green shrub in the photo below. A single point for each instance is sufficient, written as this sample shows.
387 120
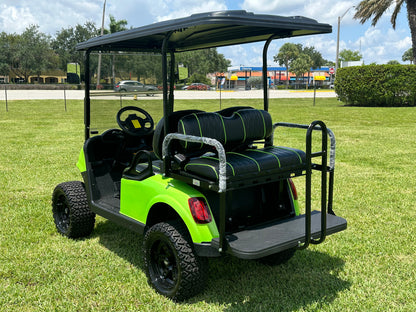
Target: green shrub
41 86
377 85
255 81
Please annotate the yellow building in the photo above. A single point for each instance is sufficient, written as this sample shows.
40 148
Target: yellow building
53 76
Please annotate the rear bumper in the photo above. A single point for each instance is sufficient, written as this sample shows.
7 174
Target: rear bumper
272 238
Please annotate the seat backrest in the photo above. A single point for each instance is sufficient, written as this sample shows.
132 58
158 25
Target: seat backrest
227 112
159 133
236 131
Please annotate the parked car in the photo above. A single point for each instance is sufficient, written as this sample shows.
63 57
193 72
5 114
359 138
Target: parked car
197 86
133 86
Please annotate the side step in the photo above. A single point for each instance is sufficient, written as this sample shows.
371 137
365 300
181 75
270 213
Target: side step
273 238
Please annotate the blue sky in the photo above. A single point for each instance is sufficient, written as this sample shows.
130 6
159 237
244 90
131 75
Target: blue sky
377 44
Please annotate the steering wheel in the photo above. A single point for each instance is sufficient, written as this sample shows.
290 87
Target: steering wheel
133 124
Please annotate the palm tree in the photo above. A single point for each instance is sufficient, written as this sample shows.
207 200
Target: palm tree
374 9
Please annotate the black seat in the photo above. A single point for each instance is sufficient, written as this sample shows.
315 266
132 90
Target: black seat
250 163
146 164
238 133
159 133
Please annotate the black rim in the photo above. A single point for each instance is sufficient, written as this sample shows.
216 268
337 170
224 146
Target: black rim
163 268
62 214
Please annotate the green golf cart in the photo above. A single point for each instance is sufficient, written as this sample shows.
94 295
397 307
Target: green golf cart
199 184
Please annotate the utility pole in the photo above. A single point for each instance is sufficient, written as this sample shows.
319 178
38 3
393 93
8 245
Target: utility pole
339 25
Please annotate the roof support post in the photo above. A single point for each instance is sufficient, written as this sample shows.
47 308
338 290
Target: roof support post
171 80
167 101
164 77
264 73
167 109
87 102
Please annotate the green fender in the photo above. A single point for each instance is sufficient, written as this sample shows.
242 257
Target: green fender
81 161
138 197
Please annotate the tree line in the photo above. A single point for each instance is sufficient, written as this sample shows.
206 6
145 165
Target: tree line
32 52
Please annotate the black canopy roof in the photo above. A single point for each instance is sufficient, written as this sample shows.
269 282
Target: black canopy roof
213 29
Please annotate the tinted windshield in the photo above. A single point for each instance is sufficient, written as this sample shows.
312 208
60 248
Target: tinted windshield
126 79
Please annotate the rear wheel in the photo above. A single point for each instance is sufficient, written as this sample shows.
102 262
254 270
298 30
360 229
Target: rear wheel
172 266
71 213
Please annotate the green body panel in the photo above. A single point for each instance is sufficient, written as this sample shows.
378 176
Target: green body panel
81 161
138 197
295 205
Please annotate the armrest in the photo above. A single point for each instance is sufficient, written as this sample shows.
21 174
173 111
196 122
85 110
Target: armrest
132 173
194 139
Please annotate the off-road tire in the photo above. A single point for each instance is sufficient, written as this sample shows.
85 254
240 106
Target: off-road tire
171 264
71 213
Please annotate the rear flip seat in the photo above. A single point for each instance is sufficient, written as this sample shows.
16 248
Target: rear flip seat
237 134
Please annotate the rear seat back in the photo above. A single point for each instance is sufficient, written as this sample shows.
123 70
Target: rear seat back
159 133
237 131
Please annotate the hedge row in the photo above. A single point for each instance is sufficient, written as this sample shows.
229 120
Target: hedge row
377 85
39 86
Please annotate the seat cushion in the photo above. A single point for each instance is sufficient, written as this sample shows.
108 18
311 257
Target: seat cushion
250 163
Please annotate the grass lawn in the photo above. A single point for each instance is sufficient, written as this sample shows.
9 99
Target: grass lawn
369 267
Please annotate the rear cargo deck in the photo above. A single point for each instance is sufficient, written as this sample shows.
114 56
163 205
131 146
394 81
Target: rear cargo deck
273 238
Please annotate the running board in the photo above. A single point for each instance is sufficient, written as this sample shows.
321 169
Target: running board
112 213
273 238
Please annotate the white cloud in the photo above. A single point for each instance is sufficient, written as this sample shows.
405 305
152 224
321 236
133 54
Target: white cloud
16 16
404 44
11 17
325 11
183 8
236 54
272 6
379 45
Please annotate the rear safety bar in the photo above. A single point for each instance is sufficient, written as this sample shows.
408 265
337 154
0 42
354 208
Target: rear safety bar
324 168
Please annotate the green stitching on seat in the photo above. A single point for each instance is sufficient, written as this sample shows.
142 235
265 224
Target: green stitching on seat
244 127
205 165
268 153
255 161
184 132
200 130
214 158
223 126
290 150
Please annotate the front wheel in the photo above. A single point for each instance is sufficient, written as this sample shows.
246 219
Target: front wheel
71 213
172 267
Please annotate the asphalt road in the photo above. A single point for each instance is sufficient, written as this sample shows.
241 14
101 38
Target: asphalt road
179 94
